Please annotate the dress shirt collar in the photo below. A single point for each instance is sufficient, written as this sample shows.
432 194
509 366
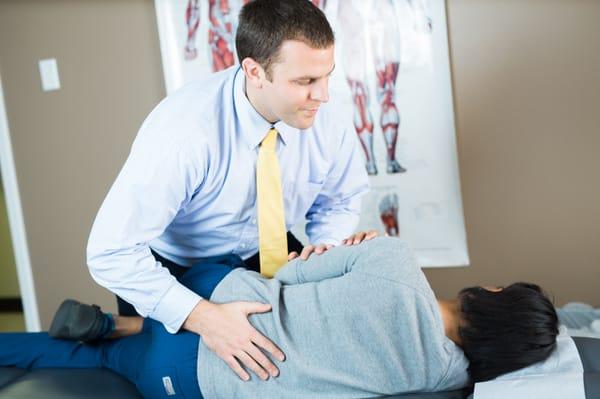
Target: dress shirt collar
254 127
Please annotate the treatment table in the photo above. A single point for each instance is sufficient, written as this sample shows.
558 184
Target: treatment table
102 384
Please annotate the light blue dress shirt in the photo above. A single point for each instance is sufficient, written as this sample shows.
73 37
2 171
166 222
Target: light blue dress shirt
188 191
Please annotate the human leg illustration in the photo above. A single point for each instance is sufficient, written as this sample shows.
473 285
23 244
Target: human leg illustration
386 53
192 20
388 212
363 122
354 59
222 15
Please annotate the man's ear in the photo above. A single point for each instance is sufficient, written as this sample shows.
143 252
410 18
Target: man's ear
255 74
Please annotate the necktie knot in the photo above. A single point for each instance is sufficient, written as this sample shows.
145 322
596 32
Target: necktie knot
270 140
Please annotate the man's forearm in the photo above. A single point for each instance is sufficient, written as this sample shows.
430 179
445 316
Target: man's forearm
136 277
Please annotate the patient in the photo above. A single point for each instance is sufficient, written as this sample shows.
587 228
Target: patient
355 322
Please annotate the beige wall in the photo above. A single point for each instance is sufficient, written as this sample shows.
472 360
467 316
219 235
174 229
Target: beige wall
526 87
9 285
527 102
70 144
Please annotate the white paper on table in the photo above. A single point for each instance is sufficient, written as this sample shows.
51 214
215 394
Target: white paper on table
549 386
558 377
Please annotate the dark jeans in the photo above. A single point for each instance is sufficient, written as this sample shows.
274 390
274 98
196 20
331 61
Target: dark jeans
161 365
252 263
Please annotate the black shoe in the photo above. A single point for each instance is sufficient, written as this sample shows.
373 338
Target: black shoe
77 321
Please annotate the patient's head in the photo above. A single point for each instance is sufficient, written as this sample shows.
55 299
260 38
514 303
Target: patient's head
505 330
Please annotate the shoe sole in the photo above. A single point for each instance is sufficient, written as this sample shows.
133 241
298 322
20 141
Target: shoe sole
64 312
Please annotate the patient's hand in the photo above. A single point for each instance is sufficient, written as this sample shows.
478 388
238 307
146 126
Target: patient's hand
225 330
308 250
359 237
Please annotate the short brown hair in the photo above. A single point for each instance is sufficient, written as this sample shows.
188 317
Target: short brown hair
265 24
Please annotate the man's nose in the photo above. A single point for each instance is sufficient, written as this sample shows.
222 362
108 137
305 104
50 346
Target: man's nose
320 91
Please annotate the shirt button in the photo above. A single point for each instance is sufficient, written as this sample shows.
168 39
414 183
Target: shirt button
253 221
243 245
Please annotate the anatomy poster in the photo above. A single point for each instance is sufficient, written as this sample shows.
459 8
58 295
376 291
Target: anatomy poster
392 70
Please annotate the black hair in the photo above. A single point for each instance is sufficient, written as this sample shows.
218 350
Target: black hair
506 330
265 24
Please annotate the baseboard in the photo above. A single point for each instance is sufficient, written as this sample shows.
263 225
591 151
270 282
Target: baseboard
11 305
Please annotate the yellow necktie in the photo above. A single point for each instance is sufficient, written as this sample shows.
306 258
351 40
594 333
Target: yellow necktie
272 235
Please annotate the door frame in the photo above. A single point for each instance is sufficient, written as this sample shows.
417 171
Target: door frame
16 223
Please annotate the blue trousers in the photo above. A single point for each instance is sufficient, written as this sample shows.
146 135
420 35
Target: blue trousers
161 365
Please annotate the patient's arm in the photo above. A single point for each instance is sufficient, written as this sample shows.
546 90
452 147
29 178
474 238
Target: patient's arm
354 239
334 263
383 256
298 271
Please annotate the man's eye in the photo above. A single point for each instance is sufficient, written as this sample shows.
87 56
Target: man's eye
305 82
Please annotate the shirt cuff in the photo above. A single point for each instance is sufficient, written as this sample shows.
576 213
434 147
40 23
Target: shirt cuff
175 306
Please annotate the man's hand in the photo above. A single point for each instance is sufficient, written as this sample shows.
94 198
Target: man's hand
359 237
309 249
225 330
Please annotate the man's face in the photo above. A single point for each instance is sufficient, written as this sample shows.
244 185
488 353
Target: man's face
299 83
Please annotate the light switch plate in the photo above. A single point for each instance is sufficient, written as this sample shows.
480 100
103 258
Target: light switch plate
49 74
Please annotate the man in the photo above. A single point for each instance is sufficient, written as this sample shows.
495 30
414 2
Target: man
188 188
356 322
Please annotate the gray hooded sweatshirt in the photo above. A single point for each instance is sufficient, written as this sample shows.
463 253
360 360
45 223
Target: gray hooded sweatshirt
354 322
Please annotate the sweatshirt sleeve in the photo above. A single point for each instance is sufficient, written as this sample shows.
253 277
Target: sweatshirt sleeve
383 256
